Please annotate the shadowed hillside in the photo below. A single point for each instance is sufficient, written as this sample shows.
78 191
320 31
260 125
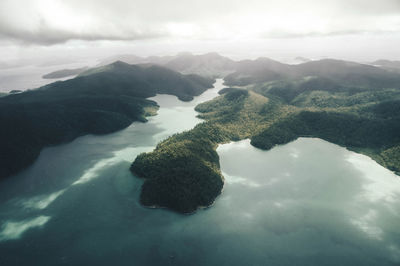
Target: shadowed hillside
99 101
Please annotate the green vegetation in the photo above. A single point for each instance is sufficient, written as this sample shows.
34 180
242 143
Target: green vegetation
361 134
359 110
390 158
98 102
366 120
350 104
183 173
323 93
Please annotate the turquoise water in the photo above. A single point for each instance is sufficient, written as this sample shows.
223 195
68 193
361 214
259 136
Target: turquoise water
311 202
306 203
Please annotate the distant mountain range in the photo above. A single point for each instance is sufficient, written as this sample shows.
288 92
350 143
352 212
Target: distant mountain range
300 60
209 65
240 73
349 74
64 73
387 64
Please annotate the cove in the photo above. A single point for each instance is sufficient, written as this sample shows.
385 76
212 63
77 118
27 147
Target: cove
309 202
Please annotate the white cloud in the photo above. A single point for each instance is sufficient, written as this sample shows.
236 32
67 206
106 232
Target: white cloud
57 21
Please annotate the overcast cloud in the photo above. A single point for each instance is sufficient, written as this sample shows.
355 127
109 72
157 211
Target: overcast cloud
48 22
43 32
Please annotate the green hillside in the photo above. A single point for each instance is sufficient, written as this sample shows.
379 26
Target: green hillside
364 119
99 101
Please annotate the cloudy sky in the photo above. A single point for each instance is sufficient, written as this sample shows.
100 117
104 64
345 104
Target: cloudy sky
86 29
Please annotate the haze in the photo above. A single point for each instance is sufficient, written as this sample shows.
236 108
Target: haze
56 31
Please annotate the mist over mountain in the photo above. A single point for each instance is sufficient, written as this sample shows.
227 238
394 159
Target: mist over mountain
259 70
211 64
207 65
301 59
64 73
344 72
387 64
240 73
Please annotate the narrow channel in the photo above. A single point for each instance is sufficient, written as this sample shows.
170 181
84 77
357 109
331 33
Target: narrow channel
307 202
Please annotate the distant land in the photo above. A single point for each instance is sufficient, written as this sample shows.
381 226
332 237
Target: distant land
347 103
300 60
387 64
99 101
209 65
350 104
215 65
64 73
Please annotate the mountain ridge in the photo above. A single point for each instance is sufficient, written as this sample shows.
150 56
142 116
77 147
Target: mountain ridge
99 101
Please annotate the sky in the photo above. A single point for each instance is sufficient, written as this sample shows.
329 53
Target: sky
59 31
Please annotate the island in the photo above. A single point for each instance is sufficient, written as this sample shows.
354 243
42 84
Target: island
353 105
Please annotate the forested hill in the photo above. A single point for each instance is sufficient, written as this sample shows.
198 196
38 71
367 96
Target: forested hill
353 105
99 101
344 73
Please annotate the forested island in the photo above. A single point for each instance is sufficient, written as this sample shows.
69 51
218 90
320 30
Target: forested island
349 104
99 101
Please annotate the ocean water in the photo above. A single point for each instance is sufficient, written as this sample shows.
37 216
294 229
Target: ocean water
30 76
309 202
